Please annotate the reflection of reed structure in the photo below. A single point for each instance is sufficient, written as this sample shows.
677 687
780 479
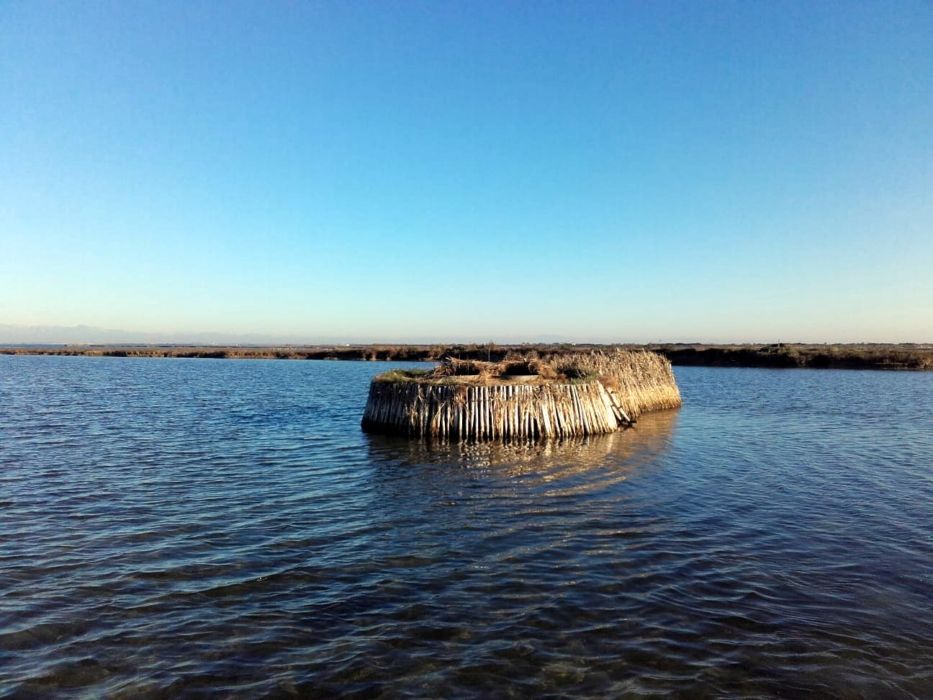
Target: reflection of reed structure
561 396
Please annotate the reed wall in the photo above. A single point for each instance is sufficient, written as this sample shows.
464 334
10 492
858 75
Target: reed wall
639 381
490 412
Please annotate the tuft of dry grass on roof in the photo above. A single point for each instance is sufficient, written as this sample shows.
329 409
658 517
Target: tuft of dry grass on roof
452 367
480 372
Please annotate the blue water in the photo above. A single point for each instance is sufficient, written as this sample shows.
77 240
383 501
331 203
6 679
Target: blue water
192 527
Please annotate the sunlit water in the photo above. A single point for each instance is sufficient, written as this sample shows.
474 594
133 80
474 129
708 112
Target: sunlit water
190 527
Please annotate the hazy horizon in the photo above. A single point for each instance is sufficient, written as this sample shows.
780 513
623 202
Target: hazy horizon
600 171
88 335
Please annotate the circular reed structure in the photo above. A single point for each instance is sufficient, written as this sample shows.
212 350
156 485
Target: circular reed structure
522 398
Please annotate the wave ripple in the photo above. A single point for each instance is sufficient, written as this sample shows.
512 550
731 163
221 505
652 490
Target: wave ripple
178 527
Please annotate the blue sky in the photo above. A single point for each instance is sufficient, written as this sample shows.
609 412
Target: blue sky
395 171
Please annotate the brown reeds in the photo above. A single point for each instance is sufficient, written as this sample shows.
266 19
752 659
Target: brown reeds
489 411
903 356
640 381
521 397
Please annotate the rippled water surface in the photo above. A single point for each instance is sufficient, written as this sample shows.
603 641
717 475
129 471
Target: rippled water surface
194 527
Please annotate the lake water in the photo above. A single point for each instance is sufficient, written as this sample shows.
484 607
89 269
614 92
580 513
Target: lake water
193 527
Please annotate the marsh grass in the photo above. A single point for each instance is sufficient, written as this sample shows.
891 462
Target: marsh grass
904 356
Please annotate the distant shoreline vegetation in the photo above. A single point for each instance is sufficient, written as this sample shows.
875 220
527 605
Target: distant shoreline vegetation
907 356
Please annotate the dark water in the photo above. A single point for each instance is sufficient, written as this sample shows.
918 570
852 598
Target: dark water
193 527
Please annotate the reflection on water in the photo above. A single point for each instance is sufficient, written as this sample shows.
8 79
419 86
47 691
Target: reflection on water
171 527
598 457
652 434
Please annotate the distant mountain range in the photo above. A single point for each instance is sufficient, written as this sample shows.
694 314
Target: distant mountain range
11 334
57 335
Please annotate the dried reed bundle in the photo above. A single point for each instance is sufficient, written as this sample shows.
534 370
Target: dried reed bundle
642 381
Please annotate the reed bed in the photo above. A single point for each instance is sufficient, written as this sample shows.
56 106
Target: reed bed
522 397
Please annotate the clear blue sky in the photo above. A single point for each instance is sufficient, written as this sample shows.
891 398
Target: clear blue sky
718 171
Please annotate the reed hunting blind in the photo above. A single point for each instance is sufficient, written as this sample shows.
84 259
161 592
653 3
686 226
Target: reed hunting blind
522 397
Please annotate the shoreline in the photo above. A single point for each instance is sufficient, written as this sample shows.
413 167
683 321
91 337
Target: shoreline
892 357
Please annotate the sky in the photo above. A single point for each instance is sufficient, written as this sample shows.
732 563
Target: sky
469 171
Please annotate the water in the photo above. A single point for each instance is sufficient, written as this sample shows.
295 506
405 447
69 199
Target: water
193 527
